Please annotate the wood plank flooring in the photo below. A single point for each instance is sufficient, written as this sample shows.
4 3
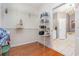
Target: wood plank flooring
33 49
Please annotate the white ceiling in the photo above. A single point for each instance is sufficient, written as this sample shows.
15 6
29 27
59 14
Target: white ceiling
67 8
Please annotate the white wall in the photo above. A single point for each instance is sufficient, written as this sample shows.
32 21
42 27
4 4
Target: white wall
29 33
17 12
25 36
61 18
0 14
77 29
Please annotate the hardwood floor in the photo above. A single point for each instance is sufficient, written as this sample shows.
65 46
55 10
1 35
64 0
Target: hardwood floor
33 49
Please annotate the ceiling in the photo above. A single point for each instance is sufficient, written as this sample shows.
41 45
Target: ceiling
66 8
